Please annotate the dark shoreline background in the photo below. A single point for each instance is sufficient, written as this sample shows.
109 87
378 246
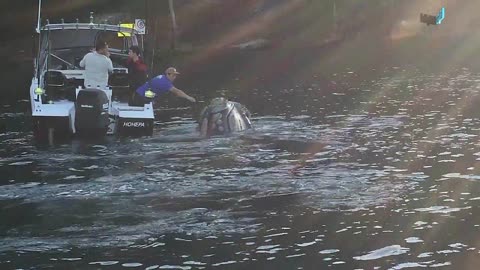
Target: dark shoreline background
293 41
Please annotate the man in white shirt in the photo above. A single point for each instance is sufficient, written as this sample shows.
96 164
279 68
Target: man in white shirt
97 65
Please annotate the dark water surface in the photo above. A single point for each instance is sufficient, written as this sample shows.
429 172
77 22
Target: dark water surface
379 173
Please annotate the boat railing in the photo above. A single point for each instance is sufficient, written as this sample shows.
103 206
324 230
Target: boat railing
88 26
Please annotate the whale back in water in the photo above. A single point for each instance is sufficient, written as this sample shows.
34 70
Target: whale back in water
222 117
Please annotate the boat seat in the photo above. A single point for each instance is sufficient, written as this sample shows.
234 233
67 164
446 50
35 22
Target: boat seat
119 82
55 78
118 79
57 86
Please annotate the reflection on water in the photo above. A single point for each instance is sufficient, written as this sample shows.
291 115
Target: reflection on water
379 174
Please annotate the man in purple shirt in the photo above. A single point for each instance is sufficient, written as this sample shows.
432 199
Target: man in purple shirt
159 85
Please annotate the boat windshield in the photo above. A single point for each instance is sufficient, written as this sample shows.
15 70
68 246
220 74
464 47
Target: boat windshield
61 39
67 47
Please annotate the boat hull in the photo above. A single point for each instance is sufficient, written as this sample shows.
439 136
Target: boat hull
93 114
48 128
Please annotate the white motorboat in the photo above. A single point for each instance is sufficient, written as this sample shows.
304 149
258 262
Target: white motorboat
61 105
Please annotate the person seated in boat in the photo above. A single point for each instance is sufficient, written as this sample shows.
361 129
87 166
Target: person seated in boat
156 86
97 66
137 69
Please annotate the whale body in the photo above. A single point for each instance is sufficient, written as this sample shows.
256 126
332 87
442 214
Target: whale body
223 117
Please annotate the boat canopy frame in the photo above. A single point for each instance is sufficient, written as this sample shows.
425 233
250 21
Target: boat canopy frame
44 46
89 26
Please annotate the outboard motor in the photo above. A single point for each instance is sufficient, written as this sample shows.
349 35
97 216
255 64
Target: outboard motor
91 112
222 117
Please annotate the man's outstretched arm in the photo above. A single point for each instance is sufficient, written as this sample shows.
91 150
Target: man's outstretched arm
180 93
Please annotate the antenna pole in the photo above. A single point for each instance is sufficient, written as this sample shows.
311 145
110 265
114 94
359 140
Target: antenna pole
174 24
335 24
39 18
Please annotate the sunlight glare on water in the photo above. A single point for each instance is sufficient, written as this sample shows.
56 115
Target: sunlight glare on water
375 184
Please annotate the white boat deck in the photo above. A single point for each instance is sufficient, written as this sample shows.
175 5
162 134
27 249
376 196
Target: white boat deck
57 109
125 111
124 107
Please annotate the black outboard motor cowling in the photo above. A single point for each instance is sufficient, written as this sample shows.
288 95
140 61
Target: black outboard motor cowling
91 112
